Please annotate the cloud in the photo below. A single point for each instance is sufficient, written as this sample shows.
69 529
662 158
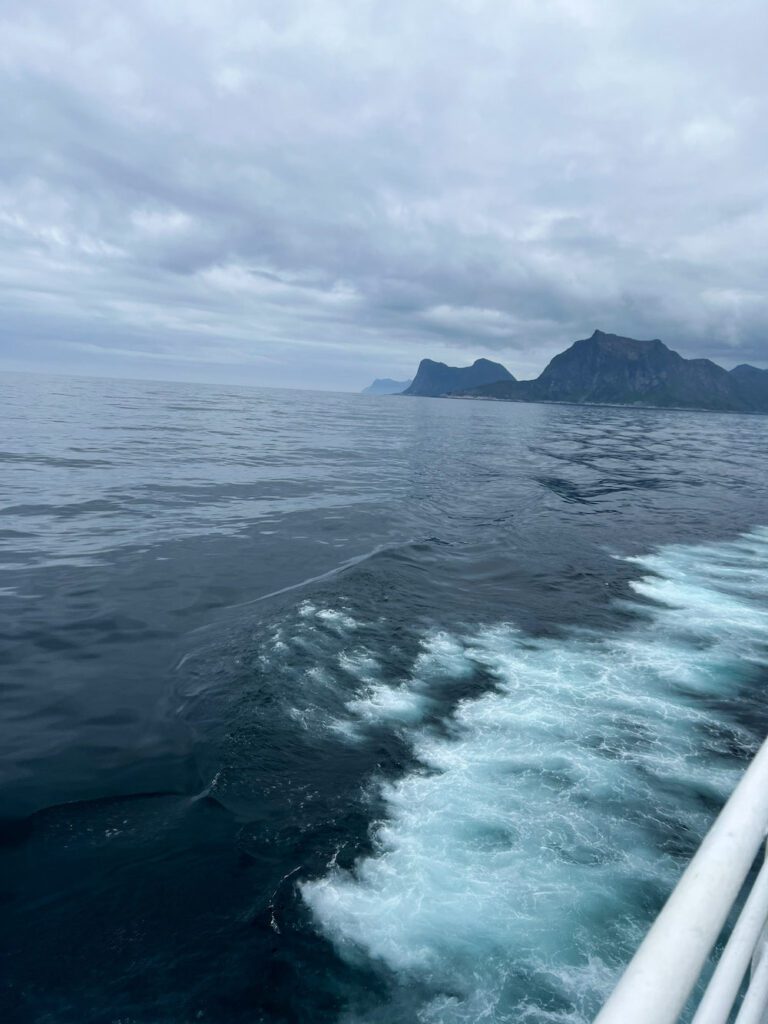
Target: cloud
316 193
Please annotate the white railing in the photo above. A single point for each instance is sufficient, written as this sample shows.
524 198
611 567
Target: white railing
656 985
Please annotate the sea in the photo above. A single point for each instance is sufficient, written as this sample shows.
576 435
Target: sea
325 708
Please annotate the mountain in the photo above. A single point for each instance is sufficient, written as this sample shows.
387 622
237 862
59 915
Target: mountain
435 379
753 384
386 386
608 369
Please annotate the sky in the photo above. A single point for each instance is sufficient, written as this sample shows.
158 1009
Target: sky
317 193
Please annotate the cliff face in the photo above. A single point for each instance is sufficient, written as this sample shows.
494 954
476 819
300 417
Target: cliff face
435 379
611 370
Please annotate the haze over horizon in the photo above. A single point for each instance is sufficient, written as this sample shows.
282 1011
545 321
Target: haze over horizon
315 194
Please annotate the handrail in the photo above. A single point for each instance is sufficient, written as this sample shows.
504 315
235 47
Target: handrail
717 1002
753 1008
663 972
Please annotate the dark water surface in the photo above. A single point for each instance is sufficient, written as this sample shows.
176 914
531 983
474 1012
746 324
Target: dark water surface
328 708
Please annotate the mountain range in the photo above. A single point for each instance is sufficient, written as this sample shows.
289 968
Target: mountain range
607 369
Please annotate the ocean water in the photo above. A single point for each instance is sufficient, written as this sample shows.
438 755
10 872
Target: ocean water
334 708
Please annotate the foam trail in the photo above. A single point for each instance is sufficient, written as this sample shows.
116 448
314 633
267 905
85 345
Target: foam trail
519 867
442 658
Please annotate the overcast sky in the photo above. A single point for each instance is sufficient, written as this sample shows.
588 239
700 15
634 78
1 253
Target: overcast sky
320 192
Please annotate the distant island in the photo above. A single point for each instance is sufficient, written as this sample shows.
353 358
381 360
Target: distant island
435 379
607 369
386 386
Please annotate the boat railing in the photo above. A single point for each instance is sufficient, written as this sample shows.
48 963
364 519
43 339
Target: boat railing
659 980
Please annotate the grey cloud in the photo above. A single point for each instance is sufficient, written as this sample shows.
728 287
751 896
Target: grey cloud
319 192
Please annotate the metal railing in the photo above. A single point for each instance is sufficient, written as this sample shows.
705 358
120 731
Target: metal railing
658 982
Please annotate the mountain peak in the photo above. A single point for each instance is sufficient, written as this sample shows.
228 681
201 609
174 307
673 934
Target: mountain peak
598 335
747 368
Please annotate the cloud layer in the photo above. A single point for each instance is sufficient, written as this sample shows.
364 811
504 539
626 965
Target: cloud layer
316 193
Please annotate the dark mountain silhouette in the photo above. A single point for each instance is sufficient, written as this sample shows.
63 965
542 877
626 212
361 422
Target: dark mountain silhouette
386 386
435 379
753 384
607 369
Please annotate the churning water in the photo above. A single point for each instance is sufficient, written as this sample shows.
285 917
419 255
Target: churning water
328 708
511 861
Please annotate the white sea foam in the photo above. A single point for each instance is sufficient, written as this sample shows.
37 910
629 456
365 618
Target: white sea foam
338 619
518 866
324 665
442 659
333 618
